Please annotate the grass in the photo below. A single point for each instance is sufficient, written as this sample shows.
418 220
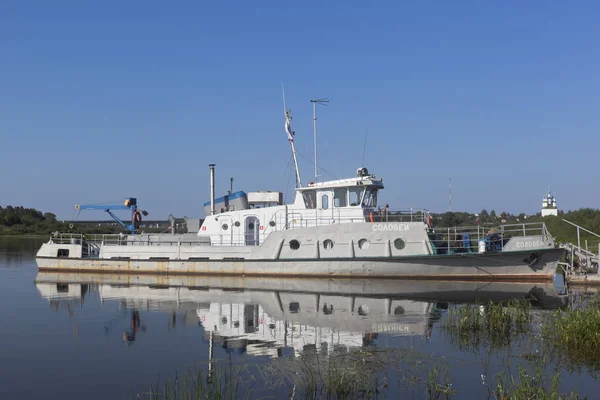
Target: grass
497 324
195 384
536 386
360 374
573 336
341 375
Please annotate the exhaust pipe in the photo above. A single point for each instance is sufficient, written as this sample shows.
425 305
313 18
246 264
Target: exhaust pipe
172 222
212 188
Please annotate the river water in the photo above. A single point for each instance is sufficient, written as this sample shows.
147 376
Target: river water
74 336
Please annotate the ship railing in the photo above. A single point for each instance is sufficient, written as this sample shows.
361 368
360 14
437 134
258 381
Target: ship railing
66 238
319 217
92 242
466 239
147 240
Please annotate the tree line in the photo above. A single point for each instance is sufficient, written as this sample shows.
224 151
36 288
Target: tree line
22 221
29 221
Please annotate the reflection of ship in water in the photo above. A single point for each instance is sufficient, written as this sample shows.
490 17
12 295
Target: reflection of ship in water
65 294
273 321
266 317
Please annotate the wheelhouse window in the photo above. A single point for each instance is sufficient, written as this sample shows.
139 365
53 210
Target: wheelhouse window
339 197
310 199
355 196
324 202
370 199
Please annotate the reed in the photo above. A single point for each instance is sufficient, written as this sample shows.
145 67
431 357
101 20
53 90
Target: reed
573 336
438 385
358 374
196 384
531 386
351 375
496 324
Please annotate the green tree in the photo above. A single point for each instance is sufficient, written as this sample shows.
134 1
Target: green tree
50 217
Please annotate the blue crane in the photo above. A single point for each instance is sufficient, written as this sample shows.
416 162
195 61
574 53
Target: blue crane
129 204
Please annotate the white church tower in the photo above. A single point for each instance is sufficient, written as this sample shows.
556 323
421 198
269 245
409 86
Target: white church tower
549 205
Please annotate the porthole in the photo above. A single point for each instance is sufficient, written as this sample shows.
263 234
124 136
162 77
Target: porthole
237 224
328 244
251 226
363 244
399 244
294 244
327 309
271 223
294 307
224 320
363 310
399 310
224 227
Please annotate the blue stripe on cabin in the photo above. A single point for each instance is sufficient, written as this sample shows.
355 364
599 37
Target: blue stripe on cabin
230 197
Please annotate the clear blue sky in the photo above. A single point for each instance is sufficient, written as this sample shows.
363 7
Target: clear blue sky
100 100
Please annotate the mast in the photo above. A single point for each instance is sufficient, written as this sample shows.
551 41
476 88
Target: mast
288 129
323 102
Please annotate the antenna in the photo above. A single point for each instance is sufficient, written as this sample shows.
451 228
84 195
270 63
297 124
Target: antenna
322 102
450 193
362 162
290 134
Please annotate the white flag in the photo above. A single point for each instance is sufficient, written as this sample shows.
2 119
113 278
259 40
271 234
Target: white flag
288 130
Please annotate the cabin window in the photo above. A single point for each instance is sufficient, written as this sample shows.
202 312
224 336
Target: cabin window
62 287
370 199
310 199
355 196
63 253
339 197
324 202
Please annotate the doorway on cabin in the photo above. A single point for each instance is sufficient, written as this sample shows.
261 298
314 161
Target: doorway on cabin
252 231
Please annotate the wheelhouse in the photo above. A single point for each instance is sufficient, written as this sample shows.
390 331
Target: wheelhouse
354 193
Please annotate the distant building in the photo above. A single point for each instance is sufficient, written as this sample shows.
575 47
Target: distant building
549 205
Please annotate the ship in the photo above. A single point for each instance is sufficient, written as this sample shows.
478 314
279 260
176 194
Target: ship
332 228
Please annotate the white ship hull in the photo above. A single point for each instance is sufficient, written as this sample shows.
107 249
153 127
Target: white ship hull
504 266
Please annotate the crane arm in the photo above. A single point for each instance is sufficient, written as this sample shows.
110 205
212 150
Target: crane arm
129 204
128 227
103 207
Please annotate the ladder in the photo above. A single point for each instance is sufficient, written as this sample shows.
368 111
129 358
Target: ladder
588 260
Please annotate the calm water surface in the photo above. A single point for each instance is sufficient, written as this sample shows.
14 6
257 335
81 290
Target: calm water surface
90 336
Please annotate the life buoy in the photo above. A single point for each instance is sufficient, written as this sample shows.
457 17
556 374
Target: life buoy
137 218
